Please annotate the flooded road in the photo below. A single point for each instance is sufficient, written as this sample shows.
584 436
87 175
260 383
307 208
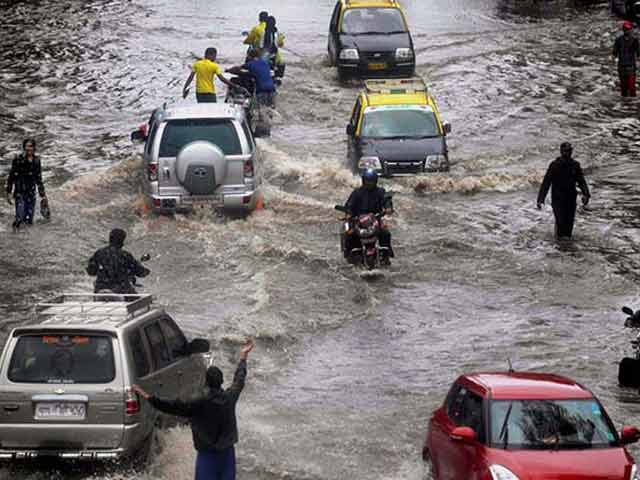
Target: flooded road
346 371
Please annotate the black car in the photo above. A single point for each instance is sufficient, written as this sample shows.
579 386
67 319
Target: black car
370 38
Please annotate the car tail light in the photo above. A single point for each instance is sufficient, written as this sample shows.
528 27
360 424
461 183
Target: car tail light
131 403
152 172
248 168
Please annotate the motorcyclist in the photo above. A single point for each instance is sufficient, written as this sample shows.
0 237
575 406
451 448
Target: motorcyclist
114 267
369 198
259 69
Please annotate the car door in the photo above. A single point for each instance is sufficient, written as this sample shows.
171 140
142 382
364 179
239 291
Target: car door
457 460
188 370
161 381
352 142
333 34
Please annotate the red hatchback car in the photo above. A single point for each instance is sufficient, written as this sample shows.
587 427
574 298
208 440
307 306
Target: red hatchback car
525 426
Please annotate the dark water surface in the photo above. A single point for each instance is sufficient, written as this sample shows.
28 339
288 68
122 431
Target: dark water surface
347 370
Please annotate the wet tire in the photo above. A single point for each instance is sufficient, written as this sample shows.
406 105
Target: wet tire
629 372
370 261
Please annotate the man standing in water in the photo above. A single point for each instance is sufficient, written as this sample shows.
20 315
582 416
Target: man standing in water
213 420
626 50
205 71
562 176
24 177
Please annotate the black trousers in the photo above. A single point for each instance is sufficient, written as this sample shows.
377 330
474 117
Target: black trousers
565 213
206 97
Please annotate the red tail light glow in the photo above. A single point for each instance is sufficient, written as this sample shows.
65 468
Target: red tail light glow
152 172
131 403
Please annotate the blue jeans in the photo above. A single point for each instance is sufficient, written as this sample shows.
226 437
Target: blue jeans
24 208
216 465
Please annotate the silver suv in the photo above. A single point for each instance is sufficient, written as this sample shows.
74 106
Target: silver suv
201 155
65 382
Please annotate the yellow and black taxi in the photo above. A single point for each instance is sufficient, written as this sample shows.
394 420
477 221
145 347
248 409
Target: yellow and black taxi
395 128
370 38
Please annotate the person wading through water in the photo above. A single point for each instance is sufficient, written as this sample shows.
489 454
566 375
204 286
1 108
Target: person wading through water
213 420
563 174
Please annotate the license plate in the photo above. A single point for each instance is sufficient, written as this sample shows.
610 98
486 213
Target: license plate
202 201
60 411
377 66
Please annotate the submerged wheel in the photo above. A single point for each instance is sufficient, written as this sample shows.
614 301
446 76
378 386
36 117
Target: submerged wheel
629 372
370 261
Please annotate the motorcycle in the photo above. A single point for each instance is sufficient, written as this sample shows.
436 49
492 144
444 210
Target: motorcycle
366 228
108 295
629 367
244 95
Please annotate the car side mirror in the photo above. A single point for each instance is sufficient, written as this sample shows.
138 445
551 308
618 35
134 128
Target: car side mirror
198 345
629 435
463 434
446 127
351 129
139 135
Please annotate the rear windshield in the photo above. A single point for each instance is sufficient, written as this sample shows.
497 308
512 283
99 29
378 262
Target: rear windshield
62 359
178 133
362 21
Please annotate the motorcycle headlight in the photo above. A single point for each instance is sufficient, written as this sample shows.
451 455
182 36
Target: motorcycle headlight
634 472
498 472
435 162
404 54
369 162
349 54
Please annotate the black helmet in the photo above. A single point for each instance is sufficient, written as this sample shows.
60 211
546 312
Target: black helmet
370 177
214 377
566 148
116 237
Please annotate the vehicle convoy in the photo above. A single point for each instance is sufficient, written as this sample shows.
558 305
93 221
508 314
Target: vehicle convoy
367 251
200 155
66 381
629 367
395 128
510 426
370 38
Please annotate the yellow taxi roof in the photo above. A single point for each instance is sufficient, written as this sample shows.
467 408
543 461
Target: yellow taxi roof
407 91
370 3
378 99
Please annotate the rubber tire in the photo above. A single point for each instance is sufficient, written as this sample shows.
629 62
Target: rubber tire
629 372
370 262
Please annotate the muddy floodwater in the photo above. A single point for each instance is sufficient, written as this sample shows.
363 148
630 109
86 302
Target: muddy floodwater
346 370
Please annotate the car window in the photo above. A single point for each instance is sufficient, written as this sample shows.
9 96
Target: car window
550 424
454 406
62 359
358 21
248 135
178 133
175 339
151 137
382 122
158 344
465 410
140 361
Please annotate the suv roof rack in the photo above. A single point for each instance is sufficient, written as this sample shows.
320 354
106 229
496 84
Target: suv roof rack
96 305
399 86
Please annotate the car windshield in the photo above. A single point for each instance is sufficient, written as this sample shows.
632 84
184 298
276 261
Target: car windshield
550 424
178 133
406 123
62 359
359 21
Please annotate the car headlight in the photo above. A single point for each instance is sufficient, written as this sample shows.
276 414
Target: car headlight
404 54
436 161
634 472
498 472
369 162
349 54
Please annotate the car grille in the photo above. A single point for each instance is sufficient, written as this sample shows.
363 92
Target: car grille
401 167
379 57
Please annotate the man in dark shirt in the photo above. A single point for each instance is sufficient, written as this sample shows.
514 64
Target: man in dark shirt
370 198
24 177
626 50
260 70
213 420
113 267
562 176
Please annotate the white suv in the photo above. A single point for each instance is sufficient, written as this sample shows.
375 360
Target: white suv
199 155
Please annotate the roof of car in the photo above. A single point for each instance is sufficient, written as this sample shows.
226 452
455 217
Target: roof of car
371 3
87 311
527 385
203 110
408 91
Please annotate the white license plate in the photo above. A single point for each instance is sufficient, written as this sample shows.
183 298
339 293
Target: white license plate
198 202
60 411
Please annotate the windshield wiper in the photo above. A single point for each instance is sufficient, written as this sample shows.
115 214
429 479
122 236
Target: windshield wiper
504 431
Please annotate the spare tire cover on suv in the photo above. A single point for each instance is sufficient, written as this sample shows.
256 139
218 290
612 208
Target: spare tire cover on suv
201 167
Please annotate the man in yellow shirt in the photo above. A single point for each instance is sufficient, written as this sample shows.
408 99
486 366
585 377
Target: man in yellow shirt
205 70
255 39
